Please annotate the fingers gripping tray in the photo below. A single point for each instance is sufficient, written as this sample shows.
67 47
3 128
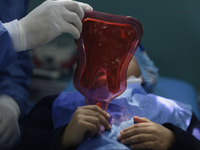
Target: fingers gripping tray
105 48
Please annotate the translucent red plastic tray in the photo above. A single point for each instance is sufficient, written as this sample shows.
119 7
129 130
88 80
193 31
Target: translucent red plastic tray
105 48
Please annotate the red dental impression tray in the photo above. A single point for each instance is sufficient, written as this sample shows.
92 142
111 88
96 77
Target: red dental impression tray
105 48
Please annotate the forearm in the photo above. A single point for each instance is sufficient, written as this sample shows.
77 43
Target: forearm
184 139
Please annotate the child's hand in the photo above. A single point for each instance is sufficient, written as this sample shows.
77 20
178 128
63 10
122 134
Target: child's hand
146 135
85 119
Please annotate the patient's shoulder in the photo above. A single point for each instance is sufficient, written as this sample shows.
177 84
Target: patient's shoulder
44 104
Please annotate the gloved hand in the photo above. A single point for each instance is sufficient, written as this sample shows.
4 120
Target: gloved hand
9 128
51 19
47 21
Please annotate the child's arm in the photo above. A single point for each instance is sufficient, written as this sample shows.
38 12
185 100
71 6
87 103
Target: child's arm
39 132
185 140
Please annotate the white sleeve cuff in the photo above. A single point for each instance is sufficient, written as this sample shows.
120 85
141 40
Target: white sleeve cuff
14 32
11 104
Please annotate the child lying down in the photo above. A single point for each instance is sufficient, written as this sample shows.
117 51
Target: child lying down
64 122
134 120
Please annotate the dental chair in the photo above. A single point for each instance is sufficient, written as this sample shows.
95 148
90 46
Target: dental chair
178 90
